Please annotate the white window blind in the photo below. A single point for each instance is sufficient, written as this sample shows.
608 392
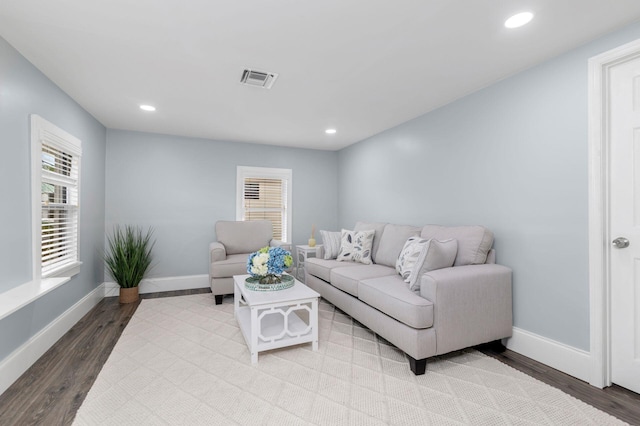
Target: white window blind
264 194
56 177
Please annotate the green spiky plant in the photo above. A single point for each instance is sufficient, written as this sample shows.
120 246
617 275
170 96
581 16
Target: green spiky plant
128 256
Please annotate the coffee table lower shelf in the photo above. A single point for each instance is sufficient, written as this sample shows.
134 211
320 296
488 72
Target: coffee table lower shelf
276 323
271 333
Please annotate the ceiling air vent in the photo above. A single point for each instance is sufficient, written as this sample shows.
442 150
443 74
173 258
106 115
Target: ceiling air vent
258 78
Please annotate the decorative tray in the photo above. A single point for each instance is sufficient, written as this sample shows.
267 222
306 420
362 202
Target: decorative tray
253 283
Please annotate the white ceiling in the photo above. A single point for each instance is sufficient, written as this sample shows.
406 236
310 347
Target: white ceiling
360 66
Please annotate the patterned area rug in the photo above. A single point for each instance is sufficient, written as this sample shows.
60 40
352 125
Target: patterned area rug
183 361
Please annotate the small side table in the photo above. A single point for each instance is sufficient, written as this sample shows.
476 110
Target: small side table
303 253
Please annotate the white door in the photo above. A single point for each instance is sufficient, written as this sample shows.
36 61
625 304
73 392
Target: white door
625 224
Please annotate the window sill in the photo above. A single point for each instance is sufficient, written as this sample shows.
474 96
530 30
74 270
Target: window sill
19 297
68 271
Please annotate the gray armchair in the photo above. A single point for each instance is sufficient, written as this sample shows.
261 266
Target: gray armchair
229 254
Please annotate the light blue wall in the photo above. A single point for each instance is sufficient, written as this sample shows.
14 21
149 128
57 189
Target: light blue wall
23 91
181 186
512 157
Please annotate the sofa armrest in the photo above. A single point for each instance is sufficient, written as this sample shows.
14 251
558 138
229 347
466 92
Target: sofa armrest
278 243
491 256
472 304
218 252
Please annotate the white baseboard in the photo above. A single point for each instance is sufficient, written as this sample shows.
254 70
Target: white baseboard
155 285
565 358
19 361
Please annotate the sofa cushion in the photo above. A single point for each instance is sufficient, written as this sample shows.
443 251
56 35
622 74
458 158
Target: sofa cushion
244 237
234 264
474 242
376 226
355 246
330 243
435 254
409 256
392 296
346 279
321 268
392 241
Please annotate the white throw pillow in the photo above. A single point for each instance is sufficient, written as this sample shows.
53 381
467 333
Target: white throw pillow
434 255
330 243
409 256
356 246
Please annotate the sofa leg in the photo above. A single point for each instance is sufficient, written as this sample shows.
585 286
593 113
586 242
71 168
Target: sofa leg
418 366
497 346
219 298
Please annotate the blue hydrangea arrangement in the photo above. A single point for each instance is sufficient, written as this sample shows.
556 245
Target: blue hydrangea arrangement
269 263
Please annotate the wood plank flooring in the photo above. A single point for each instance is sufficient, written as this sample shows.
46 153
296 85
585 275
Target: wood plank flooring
52 390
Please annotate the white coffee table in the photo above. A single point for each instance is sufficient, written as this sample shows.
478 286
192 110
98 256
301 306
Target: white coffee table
270 320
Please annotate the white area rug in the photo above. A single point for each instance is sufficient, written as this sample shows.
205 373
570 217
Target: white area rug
183 361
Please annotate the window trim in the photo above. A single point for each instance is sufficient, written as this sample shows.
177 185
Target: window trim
41 129
244 172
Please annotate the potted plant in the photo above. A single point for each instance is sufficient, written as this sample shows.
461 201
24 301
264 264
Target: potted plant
128 259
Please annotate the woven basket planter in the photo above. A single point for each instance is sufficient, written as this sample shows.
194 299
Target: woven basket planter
129 295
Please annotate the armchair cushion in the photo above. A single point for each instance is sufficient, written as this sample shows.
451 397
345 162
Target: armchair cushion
281 244
244 237
234 264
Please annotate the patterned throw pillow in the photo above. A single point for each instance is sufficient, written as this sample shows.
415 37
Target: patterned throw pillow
435 255
409 256
356 246
330 243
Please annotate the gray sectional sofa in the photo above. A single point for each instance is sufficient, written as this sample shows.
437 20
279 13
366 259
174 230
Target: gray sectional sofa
455 307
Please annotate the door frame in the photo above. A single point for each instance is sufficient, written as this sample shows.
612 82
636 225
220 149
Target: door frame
599 202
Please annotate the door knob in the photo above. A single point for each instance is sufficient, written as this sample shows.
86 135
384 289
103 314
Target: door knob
620 242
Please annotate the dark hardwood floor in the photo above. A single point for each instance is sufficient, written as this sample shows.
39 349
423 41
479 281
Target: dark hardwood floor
52 390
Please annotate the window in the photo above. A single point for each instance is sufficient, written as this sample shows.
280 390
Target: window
265 193
55 176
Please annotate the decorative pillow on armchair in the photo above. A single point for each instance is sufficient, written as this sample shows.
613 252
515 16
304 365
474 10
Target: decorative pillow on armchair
434 255
409 256
330 243
356 246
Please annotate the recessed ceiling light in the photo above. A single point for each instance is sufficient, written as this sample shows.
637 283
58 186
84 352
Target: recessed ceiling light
149 108
330 131
518 20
